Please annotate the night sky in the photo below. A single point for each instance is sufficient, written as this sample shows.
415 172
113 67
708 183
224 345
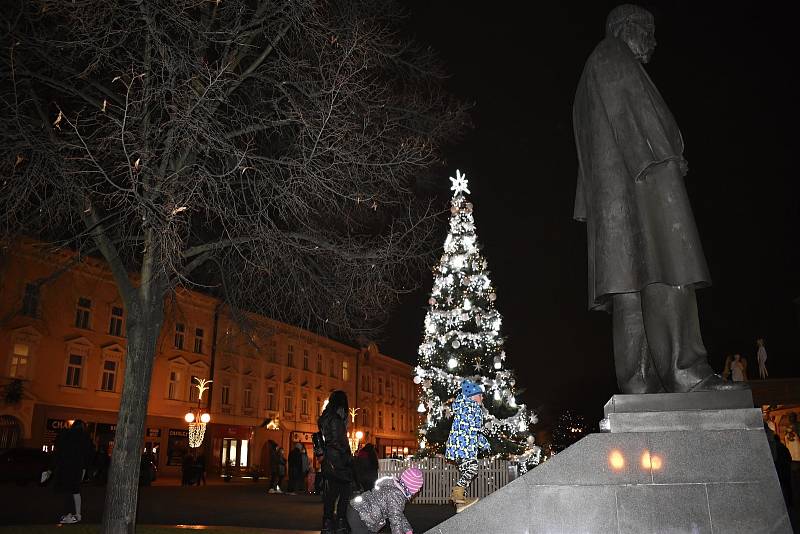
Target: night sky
726 72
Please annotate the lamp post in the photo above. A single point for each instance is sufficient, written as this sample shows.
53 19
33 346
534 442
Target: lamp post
197 417
354 437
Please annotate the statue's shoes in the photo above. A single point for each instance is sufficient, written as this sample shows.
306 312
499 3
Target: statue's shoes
714 382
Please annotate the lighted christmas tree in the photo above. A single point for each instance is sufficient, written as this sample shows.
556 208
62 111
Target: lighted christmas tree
463 340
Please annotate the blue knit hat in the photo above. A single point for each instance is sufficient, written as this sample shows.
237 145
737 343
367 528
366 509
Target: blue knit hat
470 388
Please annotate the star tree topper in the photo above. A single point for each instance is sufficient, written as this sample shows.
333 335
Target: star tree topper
459 183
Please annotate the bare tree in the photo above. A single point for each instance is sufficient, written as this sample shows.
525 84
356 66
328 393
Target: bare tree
268 151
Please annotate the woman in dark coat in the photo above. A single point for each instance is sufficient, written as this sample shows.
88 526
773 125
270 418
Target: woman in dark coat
73 455
367 467
337 464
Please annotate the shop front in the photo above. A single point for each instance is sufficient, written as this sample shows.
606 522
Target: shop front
395 448
231 446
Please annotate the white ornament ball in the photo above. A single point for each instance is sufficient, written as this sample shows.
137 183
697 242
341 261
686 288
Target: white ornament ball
453 210
464 317
456 343
417 379
432 301
452 363
492 296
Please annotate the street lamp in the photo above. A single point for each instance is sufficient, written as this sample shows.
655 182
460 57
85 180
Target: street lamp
197 418
354 437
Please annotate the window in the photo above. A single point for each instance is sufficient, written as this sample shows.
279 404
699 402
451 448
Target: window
380 419
19 360
180 329
304 404
332 371
390 387
30 301
226 394
402 422
288 406
393 426
273 351
345 370
174 384
74 370
290 356
319 363
380 385
271 398
109 378
247 398
198 340
83 314
365 417
115 323
194 393
305 360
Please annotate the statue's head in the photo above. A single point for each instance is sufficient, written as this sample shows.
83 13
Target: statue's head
634 26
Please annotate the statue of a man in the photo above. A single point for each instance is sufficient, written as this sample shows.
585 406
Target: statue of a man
645 255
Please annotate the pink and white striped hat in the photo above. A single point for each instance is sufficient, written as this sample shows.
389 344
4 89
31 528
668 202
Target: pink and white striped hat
412 479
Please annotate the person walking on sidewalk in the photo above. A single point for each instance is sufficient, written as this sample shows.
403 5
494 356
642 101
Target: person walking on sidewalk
73 455
465 440
337 464
370 511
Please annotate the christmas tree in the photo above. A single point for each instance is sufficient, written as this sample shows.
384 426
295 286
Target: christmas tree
462 340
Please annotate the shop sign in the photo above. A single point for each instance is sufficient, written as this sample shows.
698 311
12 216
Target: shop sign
177 445
154 433
301 437
52 428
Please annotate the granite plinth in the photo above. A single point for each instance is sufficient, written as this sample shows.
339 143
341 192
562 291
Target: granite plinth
681 475
677 402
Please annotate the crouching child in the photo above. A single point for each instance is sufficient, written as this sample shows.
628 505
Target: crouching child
464 441
370 511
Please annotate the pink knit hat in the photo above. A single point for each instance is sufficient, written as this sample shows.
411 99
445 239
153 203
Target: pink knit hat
412 479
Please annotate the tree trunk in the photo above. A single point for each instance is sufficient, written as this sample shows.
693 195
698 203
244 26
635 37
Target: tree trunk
144 327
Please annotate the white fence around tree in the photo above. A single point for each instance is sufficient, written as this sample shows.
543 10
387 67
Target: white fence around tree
441 475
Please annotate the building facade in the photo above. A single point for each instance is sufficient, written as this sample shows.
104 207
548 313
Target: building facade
62 357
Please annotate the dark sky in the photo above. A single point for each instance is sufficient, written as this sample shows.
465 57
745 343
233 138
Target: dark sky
725 71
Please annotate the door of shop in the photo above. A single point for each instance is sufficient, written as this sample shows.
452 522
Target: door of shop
235 451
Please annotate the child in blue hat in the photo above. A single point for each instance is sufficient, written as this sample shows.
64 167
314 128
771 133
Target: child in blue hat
465 440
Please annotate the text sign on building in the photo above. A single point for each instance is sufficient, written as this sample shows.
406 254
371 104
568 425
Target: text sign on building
154 433
301 437
52 428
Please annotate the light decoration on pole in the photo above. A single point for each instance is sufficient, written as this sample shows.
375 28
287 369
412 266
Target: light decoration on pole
354 437
462 339
197 418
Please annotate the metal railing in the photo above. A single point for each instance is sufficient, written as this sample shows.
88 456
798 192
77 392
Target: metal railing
440 476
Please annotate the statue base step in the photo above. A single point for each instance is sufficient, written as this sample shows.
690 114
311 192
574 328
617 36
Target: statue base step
700 464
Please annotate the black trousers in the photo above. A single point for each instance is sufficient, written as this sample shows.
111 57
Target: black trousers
657 342
357 525
336 499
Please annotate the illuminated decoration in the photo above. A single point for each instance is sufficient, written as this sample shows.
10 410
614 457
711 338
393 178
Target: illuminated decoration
462 339
354 437
274 424
459 183
197 418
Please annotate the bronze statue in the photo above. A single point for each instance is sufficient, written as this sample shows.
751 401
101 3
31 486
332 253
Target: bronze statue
645 255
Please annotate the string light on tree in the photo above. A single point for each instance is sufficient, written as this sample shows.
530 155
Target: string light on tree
462 339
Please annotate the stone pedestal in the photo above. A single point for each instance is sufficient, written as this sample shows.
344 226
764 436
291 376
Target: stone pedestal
679 463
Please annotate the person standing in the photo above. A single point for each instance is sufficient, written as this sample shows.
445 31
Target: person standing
464 440
73 455
337 464
295 469
738 368
366 467
761 356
